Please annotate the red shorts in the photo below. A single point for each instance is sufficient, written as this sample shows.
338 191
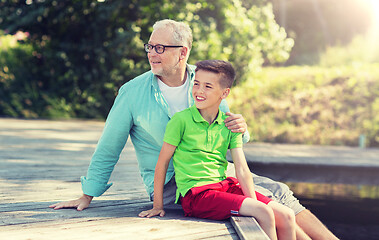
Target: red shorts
216 201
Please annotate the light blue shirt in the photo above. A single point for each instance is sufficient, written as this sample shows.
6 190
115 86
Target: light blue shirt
140 111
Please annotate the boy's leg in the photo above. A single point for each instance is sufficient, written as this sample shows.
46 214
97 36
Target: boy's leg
263 215
285 222
218 205
310 224
282 194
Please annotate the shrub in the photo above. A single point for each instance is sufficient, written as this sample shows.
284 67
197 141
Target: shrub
311 105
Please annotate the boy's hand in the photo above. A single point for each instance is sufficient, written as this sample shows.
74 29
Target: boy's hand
235 122
152 212
80 203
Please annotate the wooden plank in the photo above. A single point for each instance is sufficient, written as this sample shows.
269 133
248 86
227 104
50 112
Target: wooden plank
115 222
248 228
123 228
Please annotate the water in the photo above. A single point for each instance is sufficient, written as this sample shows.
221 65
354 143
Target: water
349 211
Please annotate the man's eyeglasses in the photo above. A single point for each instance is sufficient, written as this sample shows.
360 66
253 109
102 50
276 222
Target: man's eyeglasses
159 48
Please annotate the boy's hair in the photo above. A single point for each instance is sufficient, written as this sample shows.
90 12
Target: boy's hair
223 68
182 33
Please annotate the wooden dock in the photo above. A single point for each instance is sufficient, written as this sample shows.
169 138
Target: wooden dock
41 163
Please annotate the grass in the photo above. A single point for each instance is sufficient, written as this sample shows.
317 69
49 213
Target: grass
311 105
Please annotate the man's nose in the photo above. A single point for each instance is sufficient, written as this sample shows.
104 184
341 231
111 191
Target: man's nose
152 52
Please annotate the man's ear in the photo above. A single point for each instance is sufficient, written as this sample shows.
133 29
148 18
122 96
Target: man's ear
183 53
225 93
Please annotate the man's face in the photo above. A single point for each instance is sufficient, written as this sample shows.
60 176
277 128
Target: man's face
166 63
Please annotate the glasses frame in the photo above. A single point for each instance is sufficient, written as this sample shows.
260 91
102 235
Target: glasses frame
147 47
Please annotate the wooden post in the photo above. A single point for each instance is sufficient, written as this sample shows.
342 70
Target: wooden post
248 228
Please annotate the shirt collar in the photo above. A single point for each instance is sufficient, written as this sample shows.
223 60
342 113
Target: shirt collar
191 71
198 118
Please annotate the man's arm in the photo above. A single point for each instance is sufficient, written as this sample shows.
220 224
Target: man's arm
159 178
243 173
109 147
235 122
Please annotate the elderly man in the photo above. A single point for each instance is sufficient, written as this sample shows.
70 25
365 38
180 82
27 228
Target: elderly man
142 109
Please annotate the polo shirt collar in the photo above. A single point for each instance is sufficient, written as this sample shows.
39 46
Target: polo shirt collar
198 118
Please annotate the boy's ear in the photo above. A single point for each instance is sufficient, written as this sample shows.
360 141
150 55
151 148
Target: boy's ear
225 93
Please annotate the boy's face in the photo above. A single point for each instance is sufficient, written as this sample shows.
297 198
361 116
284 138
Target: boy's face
207 91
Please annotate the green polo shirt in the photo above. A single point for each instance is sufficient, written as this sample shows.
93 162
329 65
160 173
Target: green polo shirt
200 156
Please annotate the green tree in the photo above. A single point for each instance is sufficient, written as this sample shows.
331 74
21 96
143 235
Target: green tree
248 37
81 51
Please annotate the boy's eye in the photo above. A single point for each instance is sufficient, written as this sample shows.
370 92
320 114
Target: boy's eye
195 83
208 86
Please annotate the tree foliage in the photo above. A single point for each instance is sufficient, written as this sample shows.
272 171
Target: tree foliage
78 53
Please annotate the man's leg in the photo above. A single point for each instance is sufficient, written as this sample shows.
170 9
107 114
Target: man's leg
282 194
313 227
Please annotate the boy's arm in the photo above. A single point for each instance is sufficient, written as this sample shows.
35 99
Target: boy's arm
159 178
243 173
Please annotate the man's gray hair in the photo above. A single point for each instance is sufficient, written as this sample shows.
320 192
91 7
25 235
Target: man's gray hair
182 33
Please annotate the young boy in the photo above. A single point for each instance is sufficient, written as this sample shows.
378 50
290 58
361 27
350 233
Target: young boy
198 141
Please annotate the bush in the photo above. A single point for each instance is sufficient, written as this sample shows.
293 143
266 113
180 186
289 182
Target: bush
311 105
18 93
361 50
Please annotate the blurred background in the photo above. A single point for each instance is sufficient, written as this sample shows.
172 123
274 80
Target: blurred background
308 73
304 66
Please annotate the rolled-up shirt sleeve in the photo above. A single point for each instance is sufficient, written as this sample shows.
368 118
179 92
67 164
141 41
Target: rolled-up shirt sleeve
93 188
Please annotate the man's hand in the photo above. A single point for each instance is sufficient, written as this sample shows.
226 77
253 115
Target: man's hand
80 203
235 122
152 212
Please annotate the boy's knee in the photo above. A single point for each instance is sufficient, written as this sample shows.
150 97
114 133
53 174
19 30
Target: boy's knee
259 210
285 218
267 213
